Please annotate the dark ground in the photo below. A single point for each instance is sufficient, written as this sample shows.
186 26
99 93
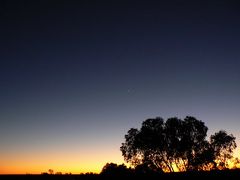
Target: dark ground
228 175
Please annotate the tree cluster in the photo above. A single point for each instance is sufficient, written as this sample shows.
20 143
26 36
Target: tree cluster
177 145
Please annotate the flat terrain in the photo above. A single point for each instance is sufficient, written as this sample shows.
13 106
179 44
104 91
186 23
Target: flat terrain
229 174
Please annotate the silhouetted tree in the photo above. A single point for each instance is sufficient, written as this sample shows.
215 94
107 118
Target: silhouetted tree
142 147
172 145
223 145
51 171
194 151
112 169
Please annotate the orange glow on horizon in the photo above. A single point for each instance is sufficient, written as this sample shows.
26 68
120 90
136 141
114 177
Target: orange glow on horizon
75 162
34 168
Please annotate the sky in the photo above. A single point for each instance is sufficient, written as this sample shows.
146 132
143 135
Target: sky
75 76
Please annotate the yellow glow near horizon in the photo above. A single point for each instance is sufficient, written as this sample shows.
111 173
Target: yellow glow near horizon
60 162
34 168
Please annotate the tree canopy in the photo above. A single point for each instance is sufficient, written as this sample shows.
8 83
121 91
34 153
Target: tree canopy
113 169
177 144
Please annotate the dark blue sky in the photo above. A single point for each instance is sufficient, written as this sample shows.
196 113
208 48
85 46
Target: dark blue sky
79 73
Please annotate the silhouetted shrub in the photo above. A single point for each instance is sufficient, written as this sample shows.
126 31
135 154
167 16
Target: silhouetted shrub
112 169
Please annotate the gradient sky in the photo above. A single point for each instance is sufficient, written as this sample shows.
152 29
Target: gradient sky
76 76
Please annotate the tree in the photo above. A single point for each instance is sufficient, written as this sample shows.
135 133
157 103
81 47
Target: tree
172 145
223 145
112 169
195 152
143 147
51 171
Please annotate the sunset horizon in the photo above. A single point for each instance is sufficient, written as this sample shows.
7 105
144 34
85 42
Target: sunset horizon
73 165
77 76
